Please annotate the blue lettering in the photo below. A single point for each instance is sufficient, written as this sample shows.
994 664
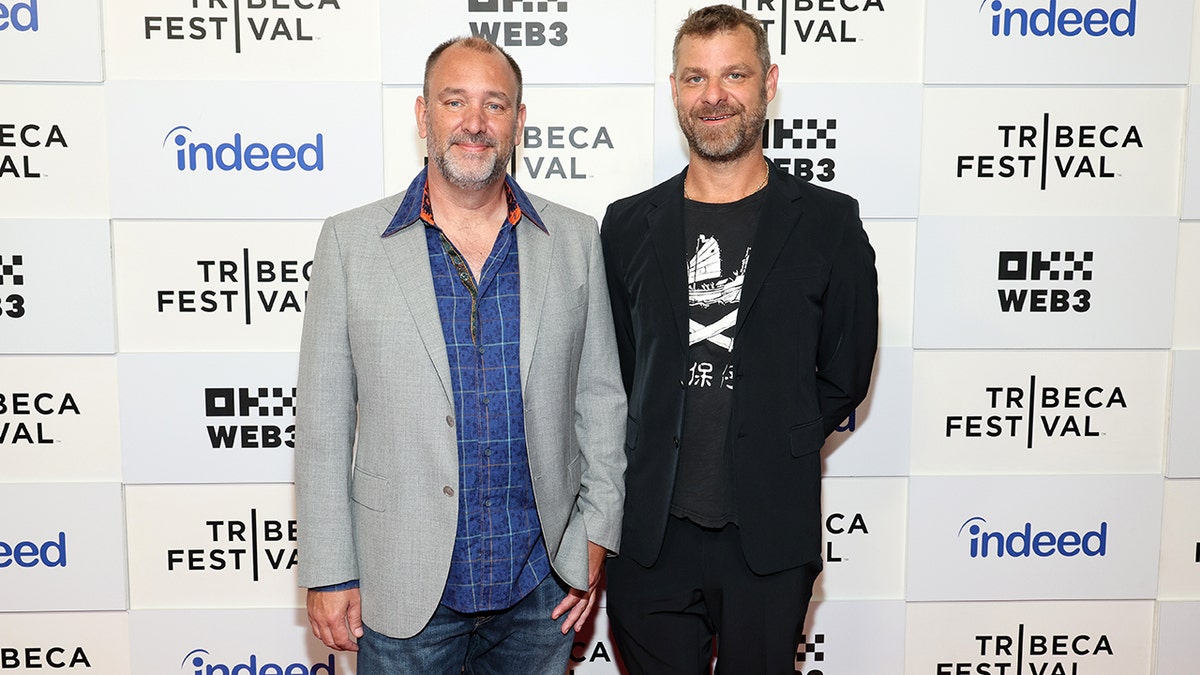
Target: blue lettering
1051 19
20 16
252 666
236 155
1024 543
27 554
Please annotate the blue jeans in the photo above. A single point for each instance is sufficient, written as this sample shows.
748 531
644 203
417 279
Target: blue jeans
521 639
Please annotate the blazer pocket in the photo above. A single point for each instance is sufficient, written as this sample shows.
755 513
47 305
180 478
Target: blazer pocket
631 432
369 490
807 438
571 300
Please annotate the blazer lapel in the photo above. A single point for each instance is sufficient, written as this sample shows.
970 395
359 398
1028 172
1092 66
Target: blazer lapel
408 254
775 225
665 222
534 251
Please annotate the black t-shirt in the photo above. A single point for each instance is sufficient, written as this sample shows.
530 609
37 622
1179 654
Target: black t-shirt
719 238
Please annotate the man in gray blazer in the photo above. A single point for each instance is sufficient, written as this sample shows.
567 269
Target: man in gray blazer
461 416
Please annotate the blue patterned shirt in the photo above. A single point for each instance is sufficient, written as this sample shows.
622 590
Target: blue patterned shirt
499 553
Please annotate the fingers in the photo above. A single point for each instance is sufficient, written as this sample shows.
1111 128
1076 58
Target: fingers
332 616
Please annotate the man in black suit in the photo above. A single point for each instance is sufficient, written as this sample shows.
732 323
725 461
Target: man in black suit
746 314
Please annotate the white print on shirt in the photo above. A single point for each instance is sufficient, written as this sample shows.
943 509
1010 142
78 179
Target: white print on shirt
702 375
707 287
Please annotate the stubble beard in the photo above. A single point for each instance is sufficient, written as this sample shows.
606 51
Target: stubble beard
469 175
726 144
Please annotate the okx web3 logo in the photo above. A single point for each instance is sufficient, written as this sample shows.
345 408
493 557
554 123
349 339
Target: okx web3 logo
239 153
1050 18
1025 543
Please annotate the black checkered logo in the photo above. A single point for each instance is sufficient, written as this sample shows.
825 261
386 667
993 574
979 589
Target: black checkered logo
10 270
508 5
810 653
803 134
1050 265
247 401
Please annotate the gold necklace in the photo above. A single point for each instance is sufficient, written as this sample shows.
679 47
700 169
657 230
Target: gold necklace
766 175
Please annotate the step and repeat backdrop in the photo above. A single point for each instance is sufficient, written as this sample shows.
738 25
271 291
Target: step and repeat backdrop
1020 495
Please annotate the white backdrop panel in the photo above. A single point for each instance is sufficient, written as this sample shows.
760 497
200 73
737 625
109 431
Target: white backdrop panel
50 40
243 40
62 547
210 546
1183 448
1051 151
820 40
212 286
1064 537
845 637
862 139
864 522
1014 412
1058 41
43 307
1187 289
1178 626
577 149
1039 282
53 143
1042 638
555 41
242 149
86 642
874 441
223 418
895 244
230 641
1179 568
58 419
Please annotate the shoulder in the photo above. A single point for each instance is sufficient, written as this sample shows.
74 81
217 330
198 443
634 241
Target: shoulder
372 218
817 197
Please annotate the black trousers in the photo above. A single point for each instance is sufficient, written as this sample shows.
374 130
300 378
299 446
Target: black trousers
665 617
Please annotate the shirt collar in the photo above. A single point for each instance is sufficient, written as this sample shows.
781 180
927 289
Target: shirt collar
415 206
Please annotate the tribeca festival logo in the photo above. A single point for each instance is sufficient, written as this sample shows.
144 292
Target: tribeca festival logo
237 154
255 546
1040 268
30 658
26 139
242 413
12 304
1038 411
1032 653
810 652
247 286
40 406
237 22
810 21
530 27
580 653
1024 542
27 554
839 526
1048 18
19 16
553 152
1041 152
802 146
201 662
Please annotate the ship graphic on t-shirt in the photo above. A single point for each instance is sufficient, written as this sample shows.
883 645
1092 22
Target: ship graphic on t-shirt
708 287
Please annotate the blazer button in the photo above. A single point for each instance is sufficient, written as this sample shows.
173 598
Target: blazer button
448 491
449 420
682 384
675 440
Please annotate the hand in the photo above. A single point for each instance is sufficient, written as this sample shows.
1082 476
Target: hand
334 616
578 604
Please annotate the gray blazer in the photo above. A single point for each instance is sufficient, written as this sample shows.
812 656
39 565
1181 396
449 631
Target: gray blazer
374 371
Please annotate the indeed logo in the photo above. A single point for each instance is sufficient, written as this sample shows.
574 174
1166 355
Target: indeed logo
1025 542
236 155
199 661
1068 21
20 16
52 553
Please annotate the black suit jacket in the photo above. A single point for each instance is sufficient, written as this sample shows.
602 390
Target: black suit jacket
804 345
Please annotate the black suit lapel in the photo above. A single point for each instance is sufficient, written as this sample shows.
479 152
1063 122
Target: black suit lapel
665 221
779 216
